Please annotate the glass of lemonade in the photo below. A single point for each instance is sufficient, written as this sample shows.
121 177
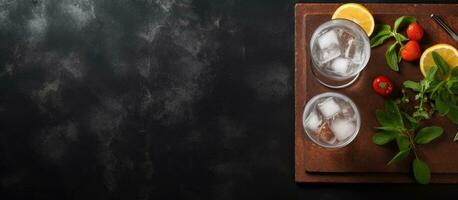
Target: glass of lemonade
340 50
331 120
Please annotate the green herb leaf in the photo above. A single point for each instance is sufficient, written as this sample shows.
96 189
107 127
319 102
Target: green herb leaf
452 85
441 106
393 110
401 37
440 62
392 57
399 156
384 137
413 123
381 29
384 119
428 134
454 89
388 128
402 21
453 114
415 86
454 72
383 32
376 41
431 73
403 142
421 171
456 137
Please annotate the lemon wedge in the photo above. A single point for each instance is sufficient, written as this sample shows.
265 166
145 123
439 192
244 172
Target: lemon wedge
358 14
448 53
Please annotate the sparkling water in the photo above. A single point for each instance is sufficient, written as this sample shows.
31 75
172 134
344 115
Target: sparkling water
331 119
340 49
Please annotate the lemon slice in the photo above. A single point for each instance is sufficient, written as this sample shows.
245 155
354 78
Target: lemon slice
448 53
358 14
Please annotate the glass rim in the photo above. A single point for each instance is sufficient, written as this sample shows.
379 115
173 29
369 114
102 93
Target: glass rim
349 24
312 102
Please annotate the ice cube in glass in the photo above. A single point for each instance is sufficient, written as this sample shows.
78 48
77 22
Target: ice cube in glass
331 120
328 107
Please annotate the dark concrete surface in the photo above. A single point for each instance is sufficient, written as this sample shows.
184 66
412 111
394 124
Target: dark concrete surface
155 99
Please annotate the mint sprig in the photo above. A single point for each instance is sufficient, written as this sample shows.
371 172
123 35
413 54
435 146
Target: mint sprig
439 88
383 32
401 127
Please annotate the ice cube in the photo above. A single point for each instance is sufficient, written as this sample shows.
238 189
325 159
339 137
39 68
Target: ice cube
348 47
345 36
347 111
343 128
328 54
340 66
328 40
354 51
329 107
325 134
313 121
328 47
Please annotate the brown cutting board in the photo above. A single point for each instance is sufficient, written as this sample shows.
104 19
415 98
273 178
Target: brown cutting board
363 161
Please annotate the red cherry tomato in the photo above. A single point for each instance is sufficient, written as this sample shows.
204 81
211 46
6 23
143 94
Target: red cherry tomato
382 85
411 51
415 32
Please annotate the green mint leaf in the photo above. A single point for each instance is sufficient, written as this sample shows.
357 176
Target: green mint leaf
440 62
413 123
388 128
442 107
390 119
431 74
401 37
452 83
392 57
393 110
454 72
383 137
433 86
384 119
453 114
381 29
456 137
454 89
399 156
421 171
376 41
403 142
383 32
415 86
399 55
402 21
428 134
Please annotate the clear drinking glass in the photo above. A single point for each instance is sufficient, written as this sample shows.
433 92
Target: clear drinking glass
340 50
331 120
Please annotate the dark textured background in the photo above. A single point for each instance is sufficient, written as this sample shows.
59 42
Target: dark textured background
154 99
